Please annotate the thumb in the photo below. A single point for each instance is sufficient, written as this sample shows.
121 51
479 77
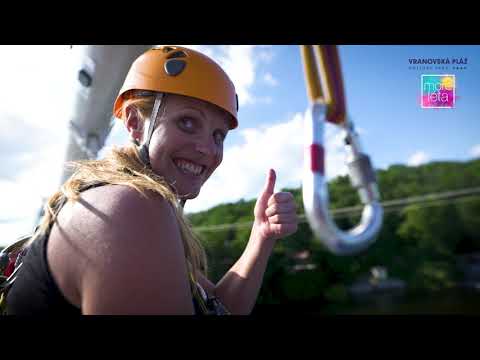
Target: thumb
270 182
268 190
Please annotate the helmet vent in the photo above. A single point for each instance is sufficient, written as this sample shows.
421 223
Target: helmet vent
173 67
167 49
177 54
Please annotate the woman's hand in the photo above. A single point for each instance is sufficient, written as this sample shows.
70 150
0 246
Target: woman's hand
275 213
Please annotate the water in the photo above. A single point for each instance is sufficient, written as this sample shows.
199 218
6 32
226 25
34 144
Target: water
455 301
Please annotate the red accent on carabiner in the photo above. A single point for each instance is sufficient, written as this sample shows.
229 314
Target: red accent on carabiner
316 158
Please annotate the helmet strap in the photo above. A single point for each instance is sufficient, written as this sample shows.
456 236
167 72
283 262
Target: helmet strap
151 126
143 149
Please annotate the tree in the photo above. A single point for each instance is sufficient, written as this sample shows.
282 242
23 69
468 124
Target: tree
416 244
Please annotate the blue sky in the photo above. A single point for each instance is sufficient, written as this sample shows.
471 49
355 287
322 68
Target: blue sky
383 99
382 95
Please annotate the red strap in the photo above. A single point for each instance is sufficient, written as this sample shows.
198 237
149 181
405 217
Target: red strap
316 158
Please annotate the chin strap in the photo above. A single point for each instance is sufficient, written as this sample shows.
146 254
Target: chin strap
143 148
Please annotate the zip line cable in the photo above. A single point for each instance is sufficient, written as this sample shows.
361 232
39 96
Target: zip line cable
389 206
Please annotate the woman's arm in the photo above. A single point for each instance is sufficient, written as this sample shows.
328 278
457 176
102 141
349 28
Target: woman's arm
239 288
275 217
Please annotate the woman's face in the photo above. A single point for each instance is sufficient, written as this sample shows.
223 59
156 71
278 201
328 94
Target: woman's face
187 143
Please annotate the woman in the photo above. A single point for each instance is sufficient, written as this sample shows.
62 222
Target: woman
114 239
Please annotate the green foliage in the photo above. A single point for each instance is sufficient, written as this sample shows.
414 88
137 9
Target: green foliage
337 293
416 244
468 211
303 285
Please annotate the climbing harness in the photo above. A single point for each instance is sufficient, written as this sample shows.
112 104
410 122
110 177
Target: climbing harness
10 263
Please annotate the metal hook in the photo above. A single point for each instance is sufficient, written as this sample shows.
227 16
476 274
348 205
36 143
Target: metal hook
328 104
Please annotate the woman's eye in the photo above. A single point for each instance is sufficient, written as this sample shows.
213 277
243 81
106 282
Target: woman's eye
186 123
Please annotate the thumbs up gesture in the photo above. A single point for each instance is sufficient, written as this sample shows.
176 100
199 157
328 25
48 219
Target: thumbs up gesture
275 213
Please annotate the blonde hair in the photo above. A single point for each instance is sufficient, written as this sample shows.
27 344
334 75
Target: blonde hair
123 166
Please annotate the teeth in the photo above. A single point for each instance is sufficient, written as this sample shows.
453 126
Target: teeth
189 167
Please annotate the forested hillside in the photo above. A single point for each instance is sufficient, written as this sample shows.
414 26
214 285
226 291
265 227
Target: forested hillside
417 244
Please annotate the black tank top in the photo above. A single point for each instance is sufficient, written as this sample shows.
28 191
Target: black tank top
35 291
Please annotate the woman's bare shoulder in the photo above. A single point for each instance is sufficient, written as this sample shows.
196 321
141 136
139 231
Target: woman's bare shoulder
145 258
115 198
126 239
108 215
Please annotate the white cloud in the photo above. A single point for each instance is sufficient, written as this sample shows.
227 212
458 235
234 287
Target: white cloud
23 194
37 102
265 53
14 228
280 147
37 83
270 80
475 151
18 199
118 137
361 131
239 62
419 158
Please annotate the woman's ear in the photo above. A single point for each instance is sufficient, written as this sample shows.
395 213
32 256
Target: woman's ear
134 124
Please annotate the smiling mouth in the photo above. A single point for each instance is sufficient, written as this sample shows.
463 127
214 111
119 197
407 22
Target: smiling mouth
189 168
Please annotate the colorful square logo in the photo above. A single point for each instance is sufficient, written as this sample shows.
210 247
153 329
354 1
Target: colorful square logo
438 91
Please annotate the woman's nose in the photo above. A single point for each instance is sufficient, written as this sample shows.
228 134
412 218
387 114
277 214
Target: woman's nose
206 147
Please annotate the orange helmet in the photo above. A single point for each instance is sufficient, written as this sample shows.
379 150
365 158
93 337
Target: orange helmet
182 71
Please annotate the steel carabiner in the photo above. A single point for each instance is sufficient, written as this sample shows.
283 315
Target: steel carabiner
327 103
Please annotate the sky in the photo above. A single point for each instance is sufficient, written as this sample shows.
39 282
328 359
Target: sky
382 87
